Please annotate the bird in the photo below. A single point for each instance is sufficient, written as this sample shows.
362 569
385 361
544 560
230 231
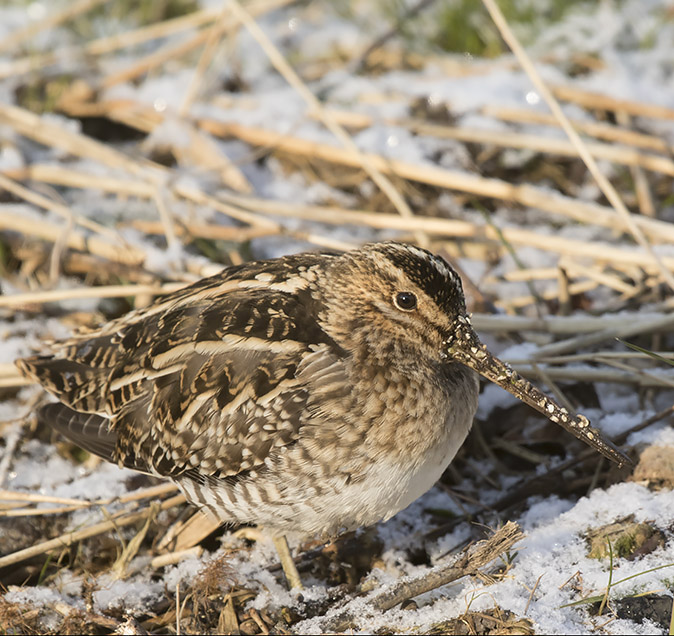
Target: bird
313 393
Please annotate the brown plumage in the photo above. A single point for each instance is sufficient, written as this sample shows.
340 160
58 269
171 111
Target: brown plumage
310 393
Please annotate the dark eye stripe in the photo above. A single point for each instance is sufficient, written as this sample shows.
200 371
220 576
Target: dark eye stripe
431 273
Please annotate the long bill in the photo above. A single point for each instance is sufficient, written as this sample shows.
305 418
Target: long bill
465 347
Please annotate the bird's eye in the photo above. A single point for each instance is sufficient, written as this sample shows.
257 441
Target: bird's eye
405 301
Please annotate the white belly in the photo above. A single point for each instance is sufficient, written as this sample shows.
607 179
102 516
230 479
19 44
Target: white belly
389 486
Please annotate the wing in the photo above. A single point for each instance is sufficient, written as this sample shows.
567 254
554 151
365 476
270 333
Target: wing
87 430
205 380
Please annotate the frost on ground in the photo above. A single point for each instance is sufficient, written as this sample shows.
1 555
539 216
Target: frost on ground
598 552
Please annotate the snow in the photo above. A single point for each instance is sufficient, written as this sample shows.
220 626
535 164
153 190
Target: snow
135 596
554 548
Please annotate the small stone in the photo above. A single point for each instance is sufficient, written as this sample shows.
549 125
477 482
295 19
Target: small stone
492 621
628 539
653 607
656 467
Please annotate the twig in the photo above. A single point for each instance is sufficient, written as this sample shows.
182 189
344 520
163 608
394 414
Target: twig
430 225
551 294
533 591
14 381
178 607
477 557
519 451
207 230
594 355
540 483
38 512
13 437
596 274
120 566
201 198
154 59
258 621
171 558
604 600
357 66
184 534
545 377
166 218
67 176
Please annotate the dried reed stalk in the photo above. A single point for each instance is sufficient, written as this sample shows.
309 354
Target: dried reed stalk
172 51
526 195
572 268
589 99
171 558
185 534
101 291
600 130
575 374
604 184
34 497
567 325
636 327
72 178
15 39
362 159
591 356
38 512
550 294
207 231
144 493
109 44
46 231
52 135
603 252
510 139
153 60
68 538
48 204
205 59
14 381
163 29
